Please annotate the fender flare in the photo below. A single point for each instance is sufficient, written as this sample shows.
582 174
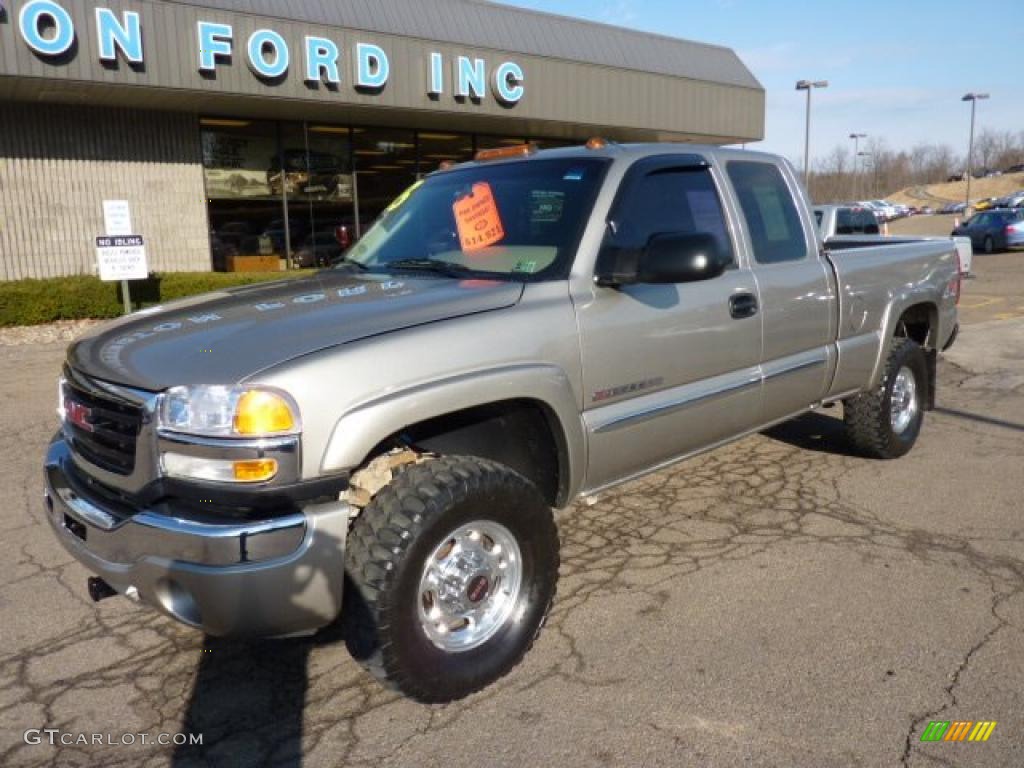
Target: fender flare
896 309
363 427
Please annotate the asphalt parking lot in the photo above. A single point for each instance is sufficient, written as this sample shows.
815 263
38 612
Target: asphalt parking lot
775 603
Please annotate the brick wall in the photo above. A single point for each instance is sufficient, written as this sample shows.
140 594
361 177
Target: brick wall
58 163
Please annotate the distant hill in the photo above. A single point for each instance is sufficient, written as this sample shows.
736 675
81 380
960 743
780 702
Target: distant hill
953 192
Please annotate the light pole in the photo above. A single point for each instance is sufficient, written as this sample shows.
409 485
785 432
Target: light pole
973 98
875 184
809 85
856 154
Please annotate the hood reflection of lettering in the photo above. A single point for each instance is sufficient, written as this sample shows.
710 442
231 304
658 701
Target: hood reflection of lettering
255 327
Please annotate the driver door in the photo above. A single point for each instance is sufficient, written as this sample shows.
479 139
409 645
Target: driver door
668 369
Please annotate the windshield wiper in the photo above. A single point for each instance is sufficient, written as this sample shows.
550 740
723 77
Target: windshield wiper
346 261
429 265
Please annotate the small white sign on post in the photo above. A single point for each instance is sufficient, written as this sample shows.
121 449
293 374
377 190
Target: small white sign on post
122 258
117 217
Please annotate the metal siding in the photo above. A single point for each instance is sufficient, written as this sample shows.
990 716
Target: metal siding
481 24
553 51
57 165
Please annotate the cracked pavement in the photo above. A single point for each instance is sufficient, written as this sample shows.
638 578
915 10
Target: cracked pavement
777 602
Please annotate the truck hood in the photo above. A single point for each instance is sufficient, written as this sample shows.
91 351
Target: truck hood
225 337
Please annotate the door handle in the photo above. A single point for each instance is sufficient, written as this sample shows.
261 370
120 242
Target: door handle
742 305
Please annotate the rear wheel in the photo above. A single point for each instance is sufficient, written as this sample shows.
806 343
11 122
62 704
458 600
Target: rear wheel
885 423
451 571
989 245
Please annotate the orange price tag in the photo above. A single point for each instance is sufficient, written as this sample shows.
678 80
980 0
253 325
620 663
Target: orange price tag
477 218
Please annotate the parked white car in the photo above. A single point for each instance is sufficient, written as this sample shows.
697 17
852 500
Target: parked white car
876 208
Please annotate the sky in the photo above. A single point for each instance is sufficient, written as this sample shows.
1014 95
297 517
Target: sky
896 70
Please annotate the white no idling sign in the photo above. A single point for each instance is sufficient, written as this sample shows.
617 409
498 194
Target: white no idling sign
122 258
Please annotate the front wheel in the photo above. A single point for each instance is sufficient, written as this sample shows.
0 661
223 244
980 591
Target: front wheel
885 423
451 571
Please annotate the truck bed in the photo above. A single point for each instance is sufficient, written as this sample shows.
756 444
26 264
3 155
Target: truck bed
874 274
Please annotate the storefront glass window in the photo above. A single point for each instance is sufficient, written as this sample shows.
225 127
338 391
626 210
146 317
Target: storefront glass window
238 161
384 162
497 142
292 194
555 143
317 186
437 148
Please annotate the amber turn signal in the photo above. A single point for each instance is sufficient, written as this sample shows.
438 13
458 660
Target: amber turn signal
254 470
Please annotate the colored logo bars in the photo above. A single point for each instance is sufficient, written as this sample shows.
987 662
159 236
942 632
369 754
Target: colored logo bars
958 730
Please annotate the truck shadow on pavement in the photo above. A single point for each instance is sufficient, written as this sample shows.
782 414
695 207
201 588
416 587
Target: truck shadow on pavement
981 419
249 698
247 701
814 431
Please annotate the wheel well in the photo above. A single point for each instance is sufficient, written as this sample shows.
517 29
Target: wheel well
521 434
920 323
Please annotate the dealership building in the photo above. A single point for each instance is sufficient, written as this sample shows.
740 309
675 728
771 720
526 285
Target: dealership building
242 132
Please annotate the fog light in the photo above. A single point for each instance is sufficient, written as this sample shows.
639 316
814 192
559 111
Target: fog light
219 470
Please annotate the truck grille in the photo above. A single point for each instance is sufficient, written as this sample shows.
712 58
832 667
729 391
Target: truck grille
102 429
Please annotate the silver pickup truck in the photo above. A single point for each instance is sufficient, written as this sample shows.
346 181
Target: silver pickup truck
512 334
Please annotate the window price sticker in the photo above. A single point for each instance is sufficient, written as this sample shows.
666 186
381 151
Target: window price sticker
478 219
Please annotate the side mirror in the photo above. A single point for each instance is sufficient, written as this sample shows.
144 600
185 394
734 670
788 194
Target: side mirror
670 257
681 258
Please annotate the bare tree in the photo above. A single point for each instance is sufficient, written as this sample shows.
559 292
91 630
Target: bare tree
882 171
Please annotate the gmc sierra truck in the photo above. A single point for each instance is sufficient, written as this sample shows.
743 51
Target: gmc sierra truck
390 435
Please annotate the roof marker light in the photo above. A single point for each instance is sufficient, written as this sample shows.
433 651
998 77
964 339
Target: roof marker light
503 153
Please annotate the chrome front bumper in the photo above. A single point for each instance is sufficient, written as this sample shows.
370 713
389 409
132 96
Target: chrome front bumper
272 577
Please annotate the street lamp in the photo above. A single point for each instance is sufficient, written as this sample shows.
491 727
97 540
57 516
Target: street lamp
973 98
809 85
856 154
874 185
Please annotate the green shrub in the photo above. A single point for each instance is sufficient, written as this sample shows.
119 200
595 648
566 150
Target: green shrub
33 302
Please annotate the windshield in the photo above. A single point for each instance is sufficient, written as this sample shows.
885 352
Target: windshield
521 220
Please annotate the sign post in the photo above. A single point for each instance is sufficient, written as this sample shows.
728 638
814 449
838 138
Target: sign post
121 255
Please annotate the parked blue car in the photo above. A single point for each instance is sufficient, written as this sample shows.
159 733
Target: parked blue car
995 230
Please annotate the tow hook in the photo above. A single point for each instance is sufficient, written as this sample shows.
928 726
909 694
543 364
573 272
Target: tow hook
99 589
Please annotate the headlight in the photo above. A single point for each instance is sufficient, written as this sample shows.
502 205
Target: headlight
215 411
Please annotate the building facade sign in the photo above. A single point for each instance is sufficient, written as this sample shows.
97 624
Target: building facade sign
49 30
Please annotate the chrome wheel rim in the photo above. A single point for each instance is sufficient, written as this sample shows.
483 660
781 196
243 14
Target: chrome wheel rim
470 586
903 406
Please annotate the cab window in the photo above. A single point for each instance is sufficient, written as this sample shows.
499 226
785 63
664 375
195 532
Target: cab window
672 199
856 221
773 222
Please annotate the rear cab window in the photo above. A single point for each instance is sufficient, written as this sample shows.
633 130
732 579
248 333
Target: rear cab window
856 221
773 221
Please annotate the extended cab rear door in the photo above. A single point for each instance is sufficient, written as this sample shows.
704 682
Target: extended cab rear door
667 369
795 285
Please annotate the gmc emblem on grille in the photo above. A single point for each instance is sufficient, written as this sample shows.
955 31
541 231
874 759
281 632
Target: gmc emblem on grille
80 416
